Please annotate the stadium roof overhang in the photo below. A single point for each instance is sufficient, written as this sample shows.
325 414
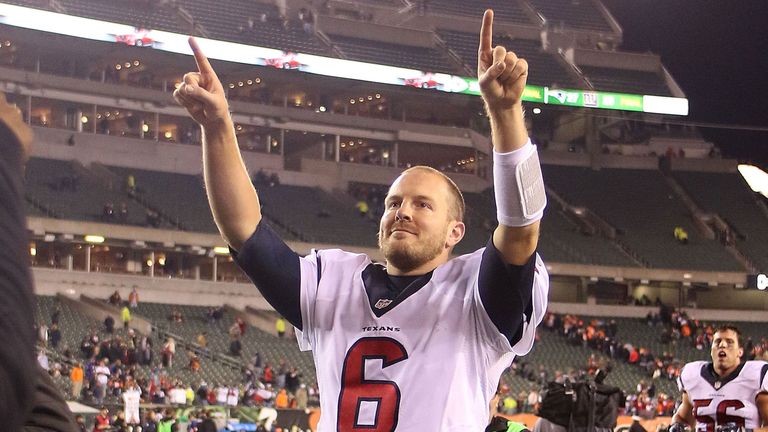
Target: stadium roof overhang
91 29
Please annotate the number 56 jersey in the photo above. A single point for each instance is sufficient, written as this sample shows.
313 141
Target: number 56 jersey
430 363
719 400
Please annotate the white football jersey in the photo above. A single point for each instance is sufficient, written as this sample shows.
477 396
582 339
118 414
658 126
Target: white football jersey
132 399
431 363
719 400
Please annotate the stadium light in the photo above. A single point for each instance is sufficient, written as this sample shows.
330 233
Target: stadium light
221 250
756 178
95 239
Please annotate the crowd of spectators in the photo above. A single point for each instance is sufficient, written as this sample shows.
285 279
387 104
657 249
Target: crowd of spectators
112 361
675 329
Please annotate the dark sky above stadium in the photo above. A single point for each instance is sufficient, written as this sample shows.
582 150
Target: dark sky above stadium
717 51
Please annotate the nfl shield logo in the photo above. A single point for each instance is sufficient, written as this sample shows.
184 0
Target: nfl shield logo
382 303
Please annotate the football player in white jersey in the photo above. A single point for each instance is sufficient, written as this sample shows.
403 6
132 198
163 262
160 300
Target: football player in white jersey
724 394
418 344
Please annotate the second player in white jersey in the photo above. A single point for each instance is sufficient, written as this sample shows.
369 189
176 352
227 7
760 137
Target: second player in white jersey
431 363
724 394
720 400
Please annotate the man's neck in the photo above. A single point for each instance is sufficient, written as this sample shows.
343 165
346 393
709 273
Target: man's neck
722 373
420 270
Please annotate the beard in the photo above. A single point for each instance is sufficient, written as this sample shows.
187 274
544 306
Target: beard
406 256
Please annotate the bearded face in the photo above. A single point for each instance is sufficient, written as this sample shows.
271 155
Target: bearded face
416 231
407 249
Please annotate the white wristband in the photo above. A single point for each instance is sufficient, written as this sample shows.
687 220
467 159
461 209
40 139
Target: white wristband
519 186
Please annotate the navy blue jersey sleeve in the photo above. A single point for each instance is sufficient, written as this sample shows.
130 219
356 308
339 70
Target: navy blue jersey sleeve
505 290
274 269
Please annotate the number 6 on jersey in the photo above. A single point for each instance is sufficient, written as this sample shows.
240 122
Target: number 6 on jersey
369 405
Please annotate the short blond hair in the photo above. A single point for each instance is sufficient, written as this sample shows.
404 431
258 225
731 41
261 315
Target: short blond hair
456 210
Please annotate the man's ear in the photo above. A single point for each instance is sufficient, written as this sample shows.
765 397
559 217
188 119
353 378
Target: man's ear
455 234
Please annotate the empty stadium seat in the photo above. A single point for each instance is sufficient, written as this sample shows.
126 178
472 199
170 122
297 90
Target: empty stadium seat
626 81
645 211
579 14
544 69
729 196
420 58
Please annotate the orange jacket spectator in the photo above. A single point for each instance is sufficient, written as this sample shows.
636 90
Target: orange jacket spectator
281 401
77 374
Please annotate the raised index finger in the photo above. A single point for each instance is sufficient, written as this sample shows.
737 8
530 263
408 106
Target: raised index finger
203 65
486 31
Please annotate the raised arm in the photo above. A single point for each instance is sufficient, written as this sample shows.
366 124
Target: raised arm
502 77
231 195
684 414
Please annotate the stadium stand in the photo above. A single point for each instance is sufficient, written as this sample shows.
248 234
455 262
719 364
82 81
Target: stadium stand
421 58
642 208
562 241
316 215
69 191
512 11
729 196
626 81
544 69
228 20
196 320
144 15
215 366
180 196
579 14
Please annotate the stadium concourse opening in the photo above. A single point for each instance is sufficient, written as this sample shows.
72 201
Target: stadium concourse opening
117 208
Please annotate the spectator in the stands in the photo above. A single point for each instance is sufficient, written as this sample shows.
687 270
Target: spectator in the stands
681 235
42 359
235 346
80 422
201 394
56 314
130 186
268 374
145 351
123 214
101 376
207 425
109 324
153 218
293 379
202 340
194 362
636 426
108 212
176 316
76 376
280 327
221 395
125 314
102 421
168 423
54 334
42 334
169 352
362 208
281 400
233 396
133 298
302 397
115 298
